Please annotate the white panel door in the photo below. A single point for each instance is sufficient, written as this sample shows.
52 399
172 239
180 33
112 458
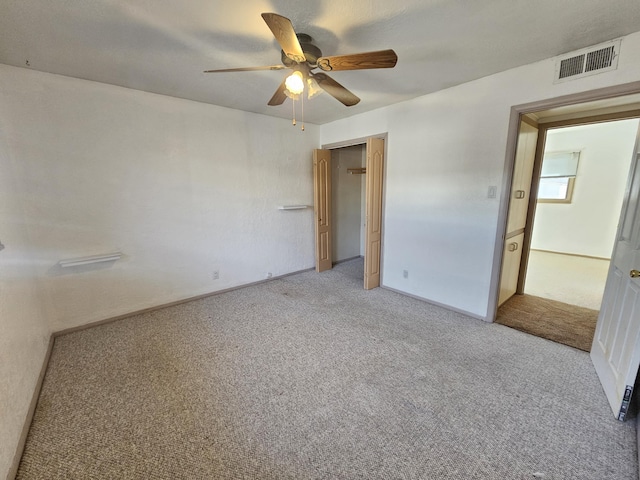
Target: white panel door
615 351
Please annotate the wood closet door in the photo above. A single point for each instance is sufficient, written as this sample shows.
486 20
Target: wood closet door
373 229
322 208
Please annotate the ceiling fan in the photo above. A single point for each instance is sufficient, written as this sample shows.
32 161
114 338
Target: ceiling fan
303 57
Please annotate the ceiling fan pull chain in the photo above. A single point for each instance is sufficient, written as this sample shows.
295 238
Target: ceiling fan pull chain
302 109
293 110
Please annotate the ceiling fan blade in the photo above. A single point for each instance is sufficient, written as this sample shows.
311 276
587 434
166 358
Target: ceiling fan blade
279 97
359 61
282 29
336 90
247 69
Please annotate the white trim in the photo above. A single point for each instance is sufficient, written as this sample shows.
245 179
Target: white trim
437 304
171 304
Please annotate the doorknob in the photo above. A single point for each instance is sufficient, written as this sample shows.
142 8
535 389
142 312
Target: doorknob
634 273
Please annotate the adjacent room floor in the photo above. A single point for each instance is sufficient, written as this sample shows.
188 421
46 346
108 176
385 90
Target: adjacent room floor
312 377
560 322
561 301
567 278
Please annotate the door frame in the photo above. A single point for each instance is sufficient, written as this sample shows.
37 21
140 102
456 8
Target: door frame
363 141
518 112
543 128
524 163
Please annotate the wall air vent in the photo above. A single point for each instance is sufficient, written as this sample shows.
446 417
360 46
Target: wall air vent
589 61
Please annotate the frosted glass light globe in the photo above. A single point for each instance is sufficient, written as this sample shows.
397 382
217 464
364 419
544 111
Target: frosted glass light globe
294 83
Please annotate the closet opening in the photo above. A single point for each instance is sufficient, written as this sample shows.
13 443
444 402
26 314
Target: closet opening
348 200
348 175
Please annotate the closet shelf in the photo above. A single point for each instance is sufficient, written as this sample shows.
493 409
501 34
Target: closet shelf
293 207
75 262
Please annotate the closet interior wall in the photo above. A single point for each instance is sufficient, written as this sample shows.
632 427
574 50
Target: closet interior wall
347 202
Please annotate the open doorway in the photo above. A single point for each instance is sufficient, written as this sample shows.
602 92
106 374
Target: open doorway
348 187
615 351
348 174
581 183
545 307
583 177
348 211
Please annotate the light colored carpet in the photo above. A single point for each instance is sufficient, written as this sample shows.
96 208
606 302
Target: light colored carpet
312 377
556 321
566 278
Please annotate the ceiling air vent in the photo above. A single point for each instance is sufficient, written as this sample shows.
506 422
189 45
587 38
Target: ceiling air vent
589 61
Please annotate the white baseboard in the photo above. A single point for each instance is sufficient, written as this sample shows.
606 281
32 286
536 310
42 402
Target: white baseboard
441 305
171 304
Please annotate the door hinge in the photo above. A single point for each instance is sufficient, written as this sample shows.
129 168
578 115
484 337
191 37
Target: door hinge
626 400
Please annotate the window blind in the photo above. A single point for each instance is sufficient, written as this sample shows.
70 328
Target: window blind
560 164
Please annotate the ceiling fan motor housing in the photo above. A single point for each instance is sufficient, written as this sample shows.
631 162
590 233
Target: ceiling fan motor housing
311 52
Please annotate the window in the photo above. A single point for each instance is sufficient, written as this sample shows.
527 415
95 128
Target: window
558 177
555 189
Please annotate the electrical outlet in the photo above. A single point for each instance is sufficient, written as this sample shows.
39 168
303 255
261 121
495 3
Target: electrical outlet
216 274
492 192
269 275
405 273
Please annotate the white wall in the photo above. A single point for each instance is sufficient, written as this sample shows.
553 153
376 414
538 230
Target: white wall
346 206
181 188
443 152
587 225
24 332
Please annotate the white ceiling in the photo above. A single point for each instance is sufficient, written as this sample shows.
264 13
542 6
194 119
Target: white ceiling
162 46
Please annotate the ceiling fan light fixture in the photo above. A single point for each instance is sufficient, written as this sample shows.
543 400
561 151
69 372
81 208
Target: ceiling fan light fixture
295 83
313 89
300 54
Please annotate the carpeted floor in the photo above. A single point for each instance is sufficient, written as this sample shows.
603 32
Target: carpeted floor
312 377
556 321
